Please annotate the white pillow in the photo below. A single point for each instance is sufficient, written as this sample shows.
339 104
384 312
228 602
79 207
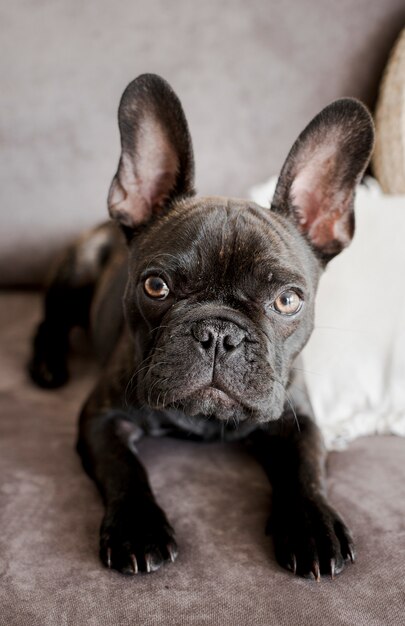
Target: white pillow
355 359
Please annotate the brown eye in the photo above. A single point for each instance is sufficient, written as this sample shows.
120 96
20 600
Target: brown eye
156 288
288 302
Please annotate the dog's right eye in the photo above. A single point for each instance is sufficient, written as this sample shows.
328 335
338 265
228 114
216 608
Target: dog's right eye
155 287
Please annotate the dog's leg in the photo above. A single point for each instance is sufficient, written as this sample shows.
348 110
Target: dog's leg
309 536
67 304
135 534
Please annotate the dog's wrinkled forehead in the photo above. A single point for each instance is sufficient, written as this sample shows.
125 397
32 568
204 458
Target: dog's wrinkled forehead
222 243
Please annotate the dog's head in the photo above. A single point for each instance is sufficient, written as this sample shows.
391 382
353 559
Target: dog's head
220 293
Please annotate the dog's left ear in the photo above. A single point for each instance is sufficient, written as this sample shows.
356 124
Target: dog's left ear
317 183
156 163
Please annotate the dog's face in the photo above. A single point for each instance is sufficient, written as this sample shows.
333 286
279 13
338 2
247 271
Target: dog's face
220 300
220 293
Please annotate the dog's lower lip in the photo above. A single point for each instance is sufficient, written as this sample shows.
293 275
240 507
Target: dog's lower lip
215 393
215 390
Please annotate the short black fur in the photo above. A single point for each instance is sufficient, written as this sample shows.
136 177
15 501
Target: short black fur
215 356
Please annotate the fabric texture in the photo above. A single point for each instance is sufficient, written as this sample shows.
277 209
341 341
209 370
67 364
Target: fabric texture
250 76
389 152
215 495
355 360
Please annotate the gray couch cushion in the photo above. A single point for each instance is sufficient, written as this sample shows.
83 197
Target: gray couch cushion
216 497
250 75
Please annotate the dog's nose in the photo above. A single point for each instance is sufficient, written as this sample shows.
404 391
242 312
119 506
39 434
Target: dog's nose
226 336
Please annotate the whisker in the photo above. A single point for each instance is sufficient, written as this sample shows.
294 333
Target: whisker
158 380
290 403
164 380
157 328
345 330
132 378
293 410
305 371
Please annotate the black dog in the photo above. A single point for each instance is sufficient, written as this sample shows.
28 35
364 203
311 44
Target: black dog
218 300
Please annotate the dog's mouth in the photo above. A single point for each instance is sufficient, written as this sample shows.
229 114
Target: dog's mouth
214 400
210 400
214 394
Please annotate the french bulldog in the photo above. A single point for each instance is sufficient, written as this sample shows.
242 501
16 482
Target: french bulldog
199 308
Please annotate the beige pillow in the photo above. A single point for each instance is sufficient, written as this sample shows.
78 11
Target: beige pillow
389 154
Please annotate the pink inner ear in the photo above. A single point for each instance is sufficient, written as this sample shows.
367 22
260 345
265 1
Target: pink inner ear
146 179
322 207
157 163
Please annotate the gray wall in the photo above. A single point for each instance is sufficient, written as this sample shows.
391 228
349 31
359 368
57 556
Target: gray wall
250 75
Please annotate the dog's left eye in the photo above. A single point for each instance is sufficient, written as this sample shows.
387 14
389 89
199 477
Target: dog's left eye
288 302
156 288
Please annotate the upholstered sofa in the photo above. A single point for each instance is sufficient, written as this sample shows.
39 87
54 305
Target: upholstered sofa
250 75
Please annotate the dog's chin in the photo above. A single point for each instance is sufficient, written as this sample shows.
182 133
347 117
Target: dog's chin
217 403
211 401
214 402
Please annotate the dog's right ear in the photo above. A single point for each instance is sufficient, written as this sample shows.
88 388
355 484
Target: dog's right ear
317 184
156 163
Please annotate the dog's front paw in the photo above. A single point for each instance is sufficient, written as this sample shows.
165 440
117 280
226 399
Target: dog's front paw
310 538
136 538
